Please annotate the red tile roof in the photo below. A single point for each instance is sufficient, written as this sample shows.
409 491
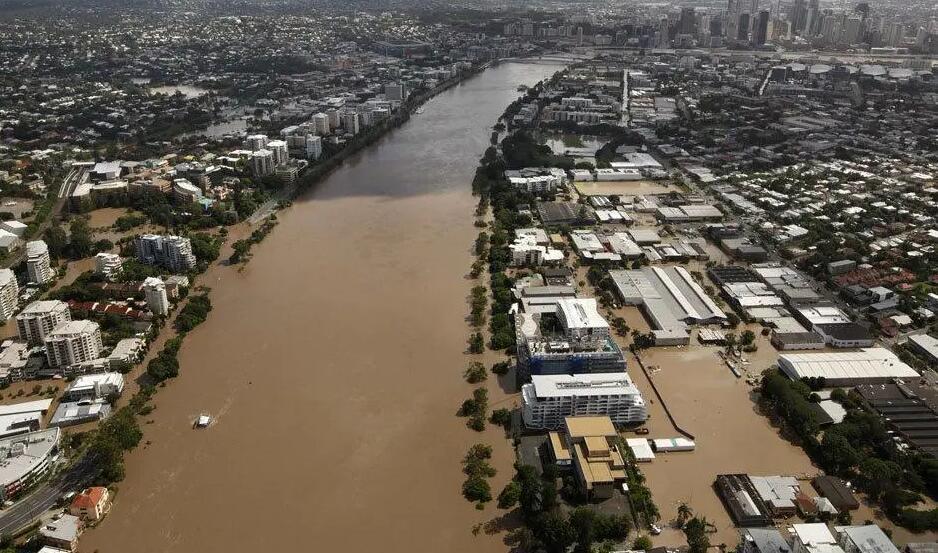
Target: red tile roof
89 498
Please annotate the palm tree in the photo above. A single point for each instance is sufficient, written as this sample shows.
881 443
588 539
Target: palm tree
684 513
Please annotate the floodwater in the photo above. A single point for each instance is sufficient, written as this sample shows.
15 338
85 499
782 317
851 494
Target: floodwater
333 365
232 127
187 90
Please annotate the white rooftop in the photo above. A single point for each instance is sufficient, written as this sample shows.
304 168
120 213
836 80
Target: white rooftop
814 534
866 363
565 385
581 313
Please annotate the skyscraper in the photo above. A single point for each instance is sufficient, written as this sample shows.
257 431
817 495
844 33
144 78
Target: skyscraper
687 23
799 15
742 27
760 29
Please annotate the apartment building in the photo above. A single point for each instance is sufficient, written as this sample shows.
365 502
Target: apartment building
109 265
548 399
172 252
40 318
9 294
73 343
262 162
38 263
279 151
154 290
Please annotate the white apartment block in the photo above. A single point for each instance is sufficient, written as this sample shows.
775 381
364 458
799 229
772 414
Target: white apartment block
280 152
526 252
262 163
9 294
537 179
171 252
73 343
108 264
321 124
313 147
40 318
154 291
38 264
256 141
550 398
350 122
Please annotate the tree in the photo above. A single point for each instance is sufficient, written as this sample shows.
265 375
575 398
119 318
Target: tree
509 495
696 532
555 531
477 489
240 249
500 368
80 238
747 337
56 239
730 341
476 343
684 513
642 543
582 520
501 417
475 373
204 247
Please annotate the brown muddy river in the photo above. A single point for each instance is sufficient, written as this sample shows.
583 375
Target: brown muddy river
333 365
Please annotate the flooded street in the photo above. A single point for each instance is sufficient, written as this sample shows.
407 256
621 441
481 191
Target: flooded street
333 365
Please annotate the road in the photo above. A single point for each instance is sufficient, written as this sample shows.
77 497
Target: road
63 193
25 511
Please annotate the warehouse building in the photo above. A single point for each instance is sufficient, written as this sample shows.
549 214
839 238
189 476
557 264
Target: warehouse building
924 345
867 366
669 298
906 412
742 500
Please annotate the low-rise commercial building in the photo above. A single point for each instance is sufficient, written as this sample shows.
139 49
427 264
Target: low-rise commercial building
69 413
95 386
925 346
24 459
126 353
591 445
62 533
868 538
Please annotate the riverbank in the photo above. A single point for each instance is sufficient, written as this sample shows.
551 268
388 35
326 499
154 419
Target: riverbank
332 363
324 167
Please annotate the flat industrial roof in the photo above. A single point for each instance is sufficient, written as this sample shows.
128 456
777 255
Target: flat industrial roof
864 364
